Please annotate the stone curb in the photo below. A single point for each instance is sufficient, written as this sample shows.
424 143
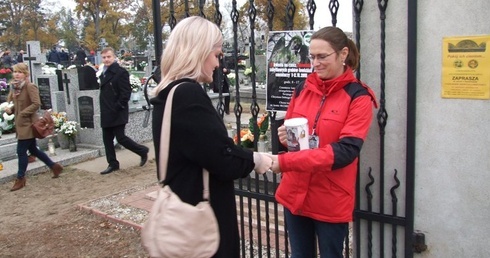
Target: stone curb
109 217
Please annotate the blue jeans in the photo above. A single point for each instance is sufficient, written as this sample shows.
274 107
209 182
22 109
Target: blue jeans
303 232
22 147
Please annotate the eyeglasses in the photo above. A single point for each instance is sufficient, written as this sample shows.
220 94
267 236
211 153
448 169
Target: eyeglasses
320 58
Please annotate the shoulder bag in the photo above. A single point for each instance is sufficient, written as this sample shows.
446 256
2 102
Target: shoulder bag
176 229
43 126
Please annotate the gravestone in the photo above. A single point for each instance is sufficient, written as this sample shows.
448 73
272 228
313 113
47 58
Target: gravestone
83 107
261 66
59 76
44 93
87 80
86 111
51 97
34 58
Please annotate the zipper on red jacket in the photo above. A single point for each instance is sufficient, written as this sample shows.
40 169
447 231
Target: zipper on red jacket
313 131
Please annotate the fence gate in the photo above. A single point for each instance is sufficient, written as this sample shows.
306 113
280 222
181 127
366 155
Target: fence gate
261 223
381 231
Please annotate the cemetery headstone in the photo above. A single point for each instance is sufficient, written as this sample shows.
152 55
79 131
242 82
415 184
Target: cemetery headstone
34 58
44 93
67 81
59 75
87 80
86 111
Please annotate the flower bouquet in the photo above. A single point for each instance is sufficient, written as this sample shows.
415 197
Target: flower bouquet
135 83
69 129
6 73
248 72
231 79
247 135
7 124
59 119
4 87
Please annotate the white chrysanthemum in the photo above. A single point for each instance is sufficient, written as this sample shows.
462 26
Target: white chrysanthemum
8 117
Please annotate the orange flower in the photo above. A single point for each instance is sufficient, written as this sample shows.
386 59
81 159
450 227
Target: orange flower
261 120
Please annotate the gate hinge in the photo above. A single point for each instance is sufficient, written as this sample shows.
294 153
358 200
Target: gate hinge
419 245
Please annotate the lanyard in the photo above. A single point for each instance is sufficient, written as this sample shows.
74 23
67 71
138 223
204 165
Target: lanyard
318 114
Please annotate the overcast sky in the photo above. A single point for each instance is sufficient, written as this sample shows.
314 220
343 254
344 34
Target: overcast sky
322 17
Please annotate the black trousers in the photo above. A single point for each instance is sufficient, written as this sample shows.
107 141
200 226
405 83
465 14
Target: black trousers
227 104
108 135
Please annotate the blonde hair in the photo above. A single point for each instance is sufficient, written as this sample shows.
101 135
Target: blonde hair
188 47
21 68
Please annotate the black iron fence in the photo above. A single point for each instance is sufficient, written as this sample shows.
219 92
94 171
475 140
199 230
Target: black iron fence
260 217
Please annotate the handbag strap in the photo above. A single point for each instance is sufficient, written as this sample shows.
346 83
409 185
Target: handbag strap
165 145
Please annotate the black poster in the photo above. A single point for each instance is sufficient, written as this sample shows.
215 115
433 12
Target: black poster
44 93
287 66
86 112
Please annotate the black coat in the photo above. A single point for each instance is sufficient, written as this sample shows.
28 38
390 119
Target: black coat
115 92
54 56
216 84
80 57
199 140
20 58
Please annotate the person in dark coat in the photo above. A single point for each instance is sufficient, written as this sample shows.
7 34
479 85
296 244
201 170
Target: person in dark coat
7 60
198 136
115 92
225 87
54 56
80 57
20 56
65 58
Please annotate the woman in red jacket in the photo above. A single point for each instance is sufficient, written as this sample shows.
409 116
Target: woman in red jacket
317 188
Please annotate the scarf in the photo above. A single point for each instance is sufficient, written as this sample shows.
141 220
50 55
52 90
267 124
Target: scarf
18 86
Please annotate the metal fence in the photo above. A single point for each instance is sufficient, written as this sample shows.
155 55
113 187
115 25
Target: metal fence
260 217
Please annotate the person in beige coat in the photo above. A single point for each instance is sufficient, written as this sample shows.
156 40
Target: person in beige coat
25 97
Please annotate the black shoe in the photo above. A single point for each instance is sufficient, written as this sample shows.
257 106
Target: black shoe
144 158
108 170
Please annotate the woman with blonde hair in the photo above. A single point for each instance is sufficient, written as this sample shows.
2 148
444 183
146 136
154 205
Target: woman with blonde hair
198 136
25 96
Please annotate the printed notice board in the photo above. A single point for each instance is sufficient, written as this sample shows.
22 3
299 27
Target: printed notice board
288 65
465 67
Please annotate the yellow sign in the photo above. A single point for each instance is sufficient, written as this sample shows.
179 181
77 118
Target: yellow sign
466 67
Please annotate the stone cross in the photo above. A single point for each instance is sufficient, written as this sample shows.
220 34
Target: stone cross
66 81
30 59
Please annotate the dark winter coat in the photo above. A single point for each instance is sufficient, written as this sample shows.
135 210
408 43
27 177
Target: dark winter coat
80 57
115 92
7 61
54 56
198 140
20 58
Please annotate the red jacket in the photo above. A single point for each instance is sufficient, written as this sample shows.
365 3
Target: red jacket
320 183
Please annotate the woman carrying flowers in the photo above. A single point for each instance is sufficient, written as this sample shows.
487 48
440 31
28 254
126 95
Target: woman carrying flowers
25 96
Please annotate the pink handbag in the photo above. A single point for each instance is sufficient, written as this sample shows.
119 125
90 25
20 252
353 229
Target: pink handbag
176 229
